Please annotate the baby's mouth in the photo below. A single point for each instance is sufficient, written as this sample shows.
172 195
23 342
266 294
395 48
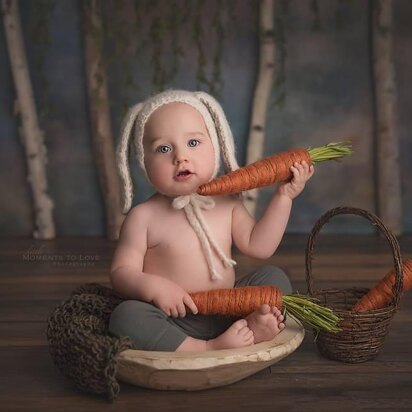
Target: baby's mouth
183 175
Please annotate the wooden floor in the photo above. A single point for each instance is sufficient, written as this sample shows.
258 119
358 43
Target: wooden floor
35 276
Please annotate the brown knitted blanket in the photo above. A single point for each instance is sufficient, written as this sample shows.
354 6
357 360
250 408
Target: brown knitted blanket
77 332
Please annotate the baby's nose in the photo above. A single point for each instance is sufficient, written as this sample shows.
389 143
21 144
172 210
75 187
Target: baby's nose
180 156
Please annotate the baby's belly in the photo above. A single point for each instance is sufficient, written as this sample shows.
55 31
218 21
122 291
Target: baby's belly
188 270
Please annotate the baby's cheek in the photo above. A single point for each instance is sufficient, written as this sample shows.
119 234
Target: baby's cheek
154 165
157 174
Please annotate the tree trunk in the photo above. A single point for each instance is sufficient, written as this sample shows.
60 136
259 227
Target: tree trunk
100 116
388 184
262 94
32 136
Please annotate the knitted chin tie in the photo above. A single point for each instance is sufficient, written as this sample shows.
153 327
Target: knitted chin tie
192 205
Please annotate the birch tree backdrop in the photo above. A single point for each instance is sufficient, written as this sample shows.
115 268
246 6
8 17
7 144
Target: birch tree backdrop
288 73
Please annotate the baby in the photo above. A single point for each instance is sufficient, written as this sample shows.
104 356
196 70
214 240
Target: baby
178 242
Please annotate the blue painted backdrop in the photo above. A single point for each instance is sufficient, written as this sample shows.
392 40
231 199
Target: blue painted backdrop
327 88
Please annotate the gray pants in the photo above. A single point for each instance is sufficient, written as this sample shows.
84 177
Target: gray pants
150 328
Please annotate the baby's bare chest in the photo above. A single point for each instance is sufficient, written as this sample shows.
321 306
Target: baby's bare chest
172 232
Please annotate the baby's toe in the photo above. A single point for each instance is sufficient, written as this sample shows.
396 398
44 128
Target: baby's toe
264 309
240 324
245 330
249 334
249 340
281 326
276 311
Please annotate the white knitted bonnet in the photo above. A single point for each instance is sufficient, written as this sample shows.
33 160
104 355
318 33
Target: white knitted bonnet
223 144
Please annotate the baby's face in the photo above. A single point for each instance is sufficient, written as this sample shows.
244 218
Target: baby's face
179 155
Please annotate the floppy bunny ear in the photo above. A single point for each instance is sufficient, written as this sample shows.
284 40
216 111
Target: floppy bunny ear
224 134
122 156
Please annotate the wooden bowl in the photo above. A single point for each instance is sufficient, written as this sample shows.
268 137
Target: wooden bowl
192 371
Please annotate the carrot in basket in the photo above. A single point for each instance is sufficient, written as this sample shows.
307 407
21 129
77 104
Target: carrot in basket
244 300
272 169
381 294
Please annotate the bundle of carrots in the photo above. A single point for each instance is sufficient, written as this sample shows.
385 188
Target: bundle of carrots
272 169
244 300
381 294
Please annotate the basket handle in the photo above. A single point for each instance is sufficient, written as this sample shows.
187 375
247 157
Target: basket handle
393 242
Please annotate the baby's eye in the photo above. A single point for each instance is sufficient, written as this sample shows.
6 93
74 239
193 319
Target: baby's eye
163 149
193 143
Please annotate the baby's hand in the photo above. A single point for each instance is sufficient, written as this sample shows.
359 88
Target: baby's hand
171 298
302 172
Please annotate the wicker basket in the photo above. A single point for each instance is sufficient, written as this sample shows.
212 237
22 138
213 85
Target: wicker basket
362 334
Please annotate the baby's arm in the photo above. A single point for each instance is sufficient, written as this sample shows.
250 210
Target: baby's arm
261 239
127 276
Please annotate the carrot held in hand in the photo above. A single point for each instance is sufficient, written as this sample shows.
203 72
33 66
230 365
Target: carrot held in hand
381 295
244 300
237 301
272 169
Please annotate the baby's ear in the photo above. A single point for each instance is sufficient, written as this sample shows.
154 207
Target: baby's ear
224 134
122 154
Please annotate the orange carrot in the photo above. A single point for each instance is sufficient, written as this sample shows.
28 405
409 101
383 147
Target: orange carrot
244 300
236 301
275 168
381 294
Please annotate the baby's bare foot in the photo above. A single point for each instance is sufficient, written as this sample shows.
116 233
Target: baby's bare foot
236 336
265 322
